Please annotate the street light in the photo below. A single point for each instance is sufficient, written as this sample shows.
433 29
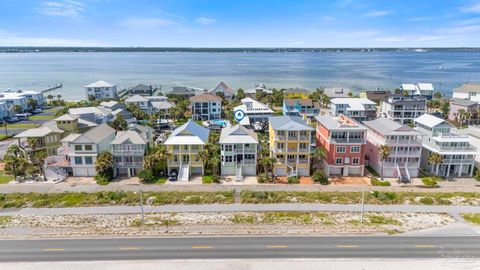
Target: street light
141 205
363 205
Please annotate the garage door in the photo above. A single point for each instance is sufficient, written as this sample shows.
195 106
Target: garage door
228 170
249 170
335 170
355 170
303 172
84 172
280 172
196 170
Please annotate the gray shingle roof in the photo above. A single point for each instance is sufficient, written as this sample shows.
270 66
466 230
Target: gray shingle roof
386 126
463 102
238 134
288 123
98 133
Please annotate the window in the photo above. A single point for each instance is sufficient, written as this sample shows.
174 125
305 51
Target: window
78 147
228 147
340 149
78 160
88 147
338 161
355 149
347 160
355 160
228 159
88 160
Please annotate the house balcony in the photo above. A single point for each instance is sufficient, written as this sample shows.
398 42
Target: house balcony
128 164
128 152
458 160
347 140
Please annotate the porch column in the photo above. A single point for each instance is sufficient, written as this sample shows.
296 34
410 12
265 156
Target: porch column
460 171
448 170
471 169
128 172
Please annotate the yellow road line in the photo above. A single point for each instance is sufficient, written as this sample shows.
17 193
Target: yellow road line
54 249
128 248
202 247
278 246
424 246
347 246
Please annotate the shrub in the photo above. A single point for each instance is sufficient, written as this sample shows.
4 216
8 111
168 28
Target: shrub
146 176
102 179
262 178
375 182
293 180
477 174
320 177
429 181
207 179
426 200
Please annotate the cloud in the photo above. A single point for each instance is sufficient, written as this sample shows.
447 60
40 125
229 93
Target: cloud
147 23
378 13
474 8
16 39
62 8
205 20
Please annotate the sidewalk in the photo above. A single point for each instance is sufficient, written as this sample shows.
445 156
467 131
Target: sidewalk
452 210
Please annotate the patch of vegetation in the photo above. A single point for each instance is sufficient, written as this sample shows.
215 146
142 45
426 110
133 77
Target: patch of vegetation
427 200
374 197
78 199
291 217
375 182
23 126
293 180
5 178
472 218
41 117
4 137
320 177
372 171
244 219
430 181
4 220
382 220
207 179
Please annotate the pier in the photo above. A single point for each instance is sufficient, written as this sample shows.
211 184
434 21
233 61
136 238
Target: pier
53 87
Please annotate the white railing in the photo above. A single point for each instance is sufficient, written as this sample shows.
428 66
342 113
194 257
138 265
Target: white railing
128 152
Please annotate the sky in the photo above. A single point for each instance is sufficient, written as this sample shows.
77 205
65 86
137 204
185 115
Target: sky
240 23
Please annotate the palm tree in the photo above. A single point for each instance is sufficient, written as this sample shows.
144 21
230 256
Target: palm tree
15 162
268 163
59 97
50 97
39 157
468 117
104 164
317 156
437 95
460 115
435 159
32 104
17 109
384 151
204 156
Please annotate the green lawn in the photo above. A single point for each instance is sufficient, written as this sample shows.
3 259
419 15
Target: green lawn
160 181
42 117
26 126
4 179
53 110
4 137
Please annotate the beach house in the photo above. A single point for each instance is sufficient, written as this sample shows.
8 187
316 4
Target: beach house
238 152
344 141
420 89
225 90
101 90
183 147
464 110
300 107
360 109
440 137
128 149
206 106
470 91
254 111
289 139
403 109
296 93
405 148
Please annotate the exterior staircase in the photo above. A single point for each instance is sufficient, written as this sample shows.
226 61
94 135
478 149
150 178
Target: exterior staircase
403 174
238 176
292 170
184 173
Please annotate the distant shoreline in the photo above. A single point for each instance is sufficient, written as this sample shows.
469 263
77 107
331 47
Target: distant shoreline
220 50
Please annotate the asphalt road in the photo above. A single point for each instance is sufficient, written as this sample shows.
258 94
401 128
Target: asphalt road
445 247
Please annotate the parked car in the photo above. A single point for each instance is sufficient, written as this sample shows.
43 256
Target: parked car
37 111
12 119
173 175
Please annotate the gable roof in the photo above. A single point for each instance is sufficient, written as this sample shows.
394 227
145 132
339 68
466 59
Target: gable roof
136 98
334 92
256 106
301 102
100 84
67 117
238 134
386 126
288 123
96 134
468 87
129 135
463 102
38 132
223 87
206 97
183 90
429 120
141 87
189 133
110 103
296 91
162 105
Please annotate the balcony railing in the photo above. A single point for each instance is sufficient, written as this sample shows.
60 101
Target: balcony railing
128 152
458 160
128 164
348 140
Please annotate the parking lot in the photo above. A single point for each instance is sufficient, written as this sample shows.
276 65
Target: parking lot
33 121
